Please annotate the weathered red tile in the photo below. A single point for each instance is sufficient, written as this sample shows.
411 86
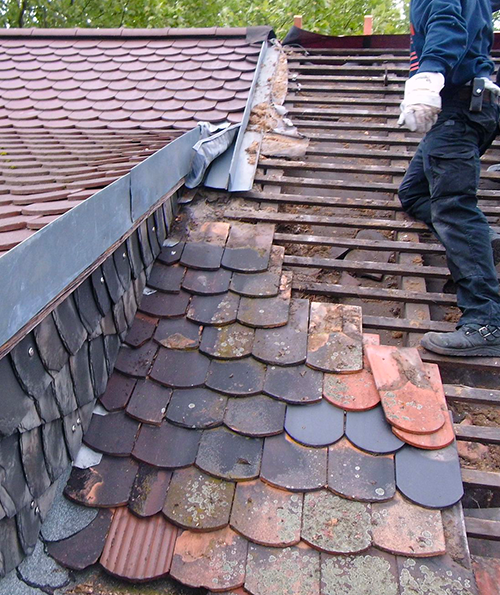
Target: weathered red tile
233 341
178 334
141 330
207 282
318 424
180 369
236 378
270 312
214 310
297 384
148 402
165 305
136 362
248 247
112 434
206 246
487 573
149 490
197 408
197 501
256 416
263 284
435 576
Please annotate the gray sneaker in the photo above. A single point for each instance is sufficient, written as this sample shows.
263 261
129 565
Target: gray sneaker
468 340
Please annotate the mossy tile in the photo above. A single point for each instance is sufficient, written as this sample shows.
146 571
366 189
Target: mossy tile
232 341
149 490
435 576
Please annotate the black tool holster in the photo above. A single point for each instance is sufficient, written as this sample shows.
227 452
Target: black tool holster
477 95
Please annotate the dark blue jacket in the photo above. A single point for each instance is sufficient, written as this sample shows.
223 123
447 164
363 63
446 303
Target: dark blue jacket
453 37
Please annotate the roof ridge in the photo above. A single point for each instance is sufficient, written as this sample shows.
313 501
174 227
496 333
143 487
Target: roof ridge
126 32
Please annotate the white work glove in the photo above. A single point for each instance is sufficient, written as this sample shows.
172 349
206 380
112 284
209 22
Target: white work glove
422 101
489 85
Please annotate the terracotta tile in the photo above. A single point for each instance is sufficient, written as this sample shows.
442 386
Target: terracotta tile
418 472
214 309
207 282
434 576
291 466
269 312
139 549
487 573
358 475
149 491
206 246
178 334
370 431
105 485
227 455
166 278
336 525
112 434
197 408
317 424
136 362
165 305
408 393
236 378
335 340
197 501
290 571
373 573
166 446
297 384
180 369
256 416
248 247
266 515
214 560
141 330
227 342
148 402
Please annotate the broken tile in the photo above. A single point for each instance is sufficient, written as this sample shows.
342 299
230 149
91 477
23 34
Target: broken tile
236 378
283 571
165 305
148 402
28 523
318 424
214 560
166 446
370 431
248 247
105 485
266 515
83 548
291 466
180 369
196 408
138 549
360 255
206 246
118 392
197 501
207 282
33 460
232 341
286 345
178 334
358 475
214 310
435 576
149 490
265 284
268 312
227 455
136 362
141 330
112 434
166 278
404 529
407 388
256 416
336 525
171 254
297 384
370 573
418 472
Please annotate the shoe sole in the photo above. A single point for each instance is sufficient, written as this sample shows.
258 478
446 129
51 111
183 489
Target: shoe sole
479 351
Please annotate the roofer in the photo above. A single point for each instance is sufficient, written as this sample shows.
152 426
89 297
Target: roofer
450 96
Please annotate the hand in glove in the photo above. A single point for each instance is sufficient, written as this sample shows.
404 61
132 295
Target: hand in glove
489 85
422 101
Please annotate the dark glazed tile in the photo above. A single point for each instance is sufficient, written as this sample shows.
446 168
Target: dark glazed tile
134 255
207 282
112 434
122 265
434 576
404 529
214 560
180 369
248 247
73 433
113 284
178 334
236 378
52 351
148 402
141 330
98 369
87 306
227 342
266 515
317 424
54 447
136 362
299 385
335 338
286 345
11 553
206 246
336 525
167 445
63 391
264 284
373 573
28 366
291 466
196 408
165 305
418 472
33 460
256 416
118 392
149 491
69 325
15 402
198 501
370 431
28 523
85 547
101 293
357 475
269 312
171 254
166 278
289 571
227 455
105 485
214 310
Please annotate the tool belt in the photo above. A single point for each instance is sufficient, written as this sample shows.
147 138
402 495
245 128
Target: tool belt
476 95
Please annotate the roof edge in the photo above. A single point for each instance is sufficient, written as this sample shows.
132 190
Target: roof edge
125 32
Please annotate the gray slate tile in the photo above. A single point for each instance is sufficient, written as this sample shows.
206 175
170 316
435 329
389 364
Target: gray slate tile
370 431
316 424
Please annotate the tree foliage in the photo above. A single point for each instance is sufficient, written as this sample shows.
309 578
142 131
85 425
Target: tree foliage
332 17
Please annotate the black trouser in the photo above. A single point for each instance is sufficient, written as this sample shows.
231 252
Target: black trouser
440 189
